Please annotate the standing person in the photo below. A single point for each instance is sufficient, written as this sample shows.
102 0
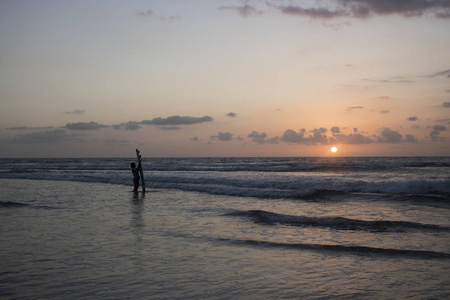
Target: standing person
136 178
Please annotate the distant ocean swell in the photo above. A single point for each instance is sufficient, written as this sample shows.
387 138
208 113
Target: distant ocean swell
292 178
230 164
267 188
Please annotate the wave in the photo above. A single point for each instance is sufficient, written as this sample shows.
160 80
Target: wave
358 250
8 204
12 204
268 164
291 178
339 223
292 187
305 188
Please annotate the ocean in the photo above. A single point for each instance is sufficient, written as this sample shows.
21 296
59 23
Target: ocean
226 228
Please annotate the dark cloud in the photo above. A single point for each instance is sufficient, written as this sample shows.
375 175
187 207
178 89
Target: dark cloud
442 73
131 125
261 138
367 8
436 131
231 114
75 112
350 109
244 11
194 139
408 8
446 104
170 18
145 13
413 119
290 136
29 128
393 137
389 136
335 130
222 136
84 126
318 136
177 120
410 139
150 13
315 13
352 139
169 128
46 137
384 111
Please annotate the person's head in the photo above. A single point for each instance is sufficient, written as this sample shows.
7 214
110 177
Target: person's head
133 165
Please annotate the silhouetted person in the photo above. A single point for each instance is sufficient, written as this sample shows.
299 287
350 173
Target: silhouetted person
136 177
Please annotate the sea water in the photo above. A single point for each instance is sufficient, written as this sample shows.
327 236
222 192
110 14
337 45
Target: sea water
226 228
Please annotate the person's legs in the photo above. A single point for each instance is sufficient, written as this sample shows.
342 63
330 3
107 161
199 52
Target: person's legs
136 185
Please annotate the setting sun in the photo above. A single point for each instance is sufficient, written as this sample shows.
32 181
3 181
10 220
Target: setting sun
333 149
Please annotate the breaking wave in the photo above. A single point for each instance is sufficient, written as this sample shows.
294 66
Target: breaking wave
339 223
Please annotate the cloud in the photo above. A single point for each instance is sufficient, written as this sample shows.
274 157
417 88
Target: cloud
84 126
413 119
314 13
390 80
75 112
222 136
177 120
393 137
318 136
231 114
335 130
446 104
261 138
407 8
169 18
244 11
46 137
169 127
145 13
410 139
29 128
150 13
368 8
350 109
384 112
351 139
131 125
436 131
389 136
195 139
442 73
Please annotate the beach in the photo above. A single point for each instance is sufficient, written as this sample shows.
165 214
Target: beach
94 240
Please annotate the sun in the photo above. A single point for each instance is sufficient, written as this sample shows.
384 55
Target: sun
333 149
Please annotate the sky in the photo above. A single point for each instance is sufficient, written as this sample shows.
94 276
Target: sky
224 78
